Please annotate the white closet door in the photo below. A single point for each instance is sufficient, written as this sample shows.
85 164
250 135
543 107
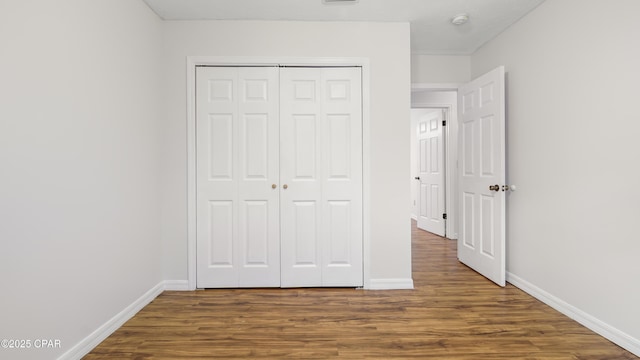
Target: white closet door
237 168
321 177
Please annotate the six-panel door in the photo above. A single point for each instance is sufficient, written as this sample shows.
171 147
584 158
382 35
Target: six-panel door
321 166
237 164
431 170
481 241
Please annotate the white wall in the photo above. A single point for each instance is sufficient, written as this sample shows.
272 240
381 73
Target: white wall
572 133
79 208
440 69
387 47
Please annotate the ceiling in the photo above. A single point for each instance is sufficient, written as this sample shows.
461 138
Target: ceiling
431 28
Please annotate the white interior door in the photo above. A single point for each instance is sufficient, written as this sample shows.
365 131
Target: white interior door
321 177
481 241
431 170
237 169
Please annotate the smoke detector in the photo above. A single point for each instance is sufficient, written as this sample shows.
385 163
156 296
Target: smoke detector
460 19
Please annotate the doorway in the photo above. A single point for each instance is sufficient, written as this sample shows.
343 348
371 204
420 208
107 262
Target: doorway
426 99
476 174
222 61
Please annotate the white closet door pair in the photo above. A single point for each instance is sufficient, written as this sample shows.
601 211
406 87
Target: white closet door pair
279 177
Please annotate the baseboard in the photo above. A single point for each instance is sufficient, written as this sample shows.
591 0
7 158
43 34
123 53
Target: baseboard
176 285
414 217
614 335
390 284
87 344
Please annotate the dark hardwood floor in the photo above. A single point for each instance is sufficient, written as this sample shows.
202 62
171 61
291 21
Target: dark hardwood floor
453 313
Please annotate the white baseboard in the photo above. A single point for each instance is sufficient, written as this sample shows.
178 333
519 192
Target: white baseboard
99 335
390 284
176 285
95 338
616 336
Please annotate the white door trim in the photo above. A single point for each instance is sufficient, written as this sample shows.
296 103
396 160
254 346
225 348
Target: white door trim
451 152
193 61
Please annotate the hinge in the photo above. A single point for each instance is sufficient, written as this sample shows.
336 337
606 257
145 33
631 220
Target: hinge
444 216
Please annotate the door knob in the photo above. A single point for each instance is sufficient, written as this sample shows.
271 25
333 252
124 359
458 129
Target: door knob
285 186
273 186
494 187
417 178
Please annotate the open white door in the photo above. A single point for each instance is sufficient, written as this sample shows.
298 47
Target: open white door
430 139
481 241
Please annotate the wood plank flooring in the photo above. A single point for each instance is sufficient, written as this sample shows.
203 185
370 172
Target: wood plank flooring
453 313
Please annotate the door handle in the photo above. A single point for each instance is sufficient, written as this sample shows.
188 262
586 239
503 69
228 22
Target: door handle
417 177
494 187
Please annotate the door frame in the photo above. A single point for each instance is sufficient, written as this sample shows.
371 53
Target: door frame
194 61
451 152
